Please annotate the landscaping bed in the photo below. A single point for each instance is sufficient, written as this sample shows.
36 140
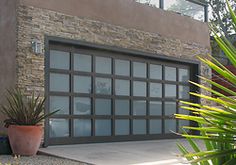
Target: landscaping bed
37 160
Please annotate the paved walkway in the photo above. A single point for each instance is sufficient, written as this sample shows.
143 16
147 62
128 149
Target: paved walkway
157 152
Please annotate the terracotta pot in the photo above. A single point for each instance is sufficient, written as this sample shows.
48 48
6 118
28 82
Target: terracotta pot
25 140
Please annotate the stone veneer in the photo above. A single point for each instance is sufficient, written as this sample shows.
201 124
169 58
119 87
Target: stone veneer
35 23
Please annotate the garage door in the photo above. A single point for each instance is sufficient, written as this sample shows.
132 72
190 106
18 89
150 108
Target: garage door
106 95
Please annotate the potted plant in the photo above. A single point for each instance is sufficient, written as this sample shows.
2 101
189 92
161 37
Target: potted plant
4 144
24 121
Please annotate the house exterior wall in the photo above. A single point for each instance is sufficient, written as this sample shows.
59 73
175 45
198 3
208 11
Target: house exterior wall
132 26
107 22
36 23
7 48
129 14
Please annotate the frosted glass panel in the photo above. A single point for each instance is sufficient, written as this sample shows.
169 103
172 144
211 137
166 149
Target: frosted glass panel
103 86
122 87
103 65
183 111
82 127
122 107
139 107
122 67
139 88
103 127
170 108
82 106
183 92
170 90
170 73
60 103
103 107
82 62
183 123
139 69
59 128
59 82
82 84
155 126
155 90
59 59
122 127
155 108
184 75
139 126
155 71
170 125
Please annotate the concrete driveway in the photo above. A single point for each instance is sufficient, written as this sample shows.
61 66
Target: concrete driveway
157 152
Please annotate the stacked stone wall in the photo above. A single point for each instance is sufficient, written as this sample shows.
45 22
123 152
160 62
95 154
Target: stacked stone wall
35 23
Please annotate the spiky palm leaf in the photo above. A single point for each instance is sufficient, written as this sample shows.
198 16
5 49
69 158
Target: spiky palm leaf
24 110
216 125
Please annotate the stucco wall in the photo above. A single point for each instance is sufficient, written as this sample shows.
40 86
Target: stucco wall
129 14
35 23
7 47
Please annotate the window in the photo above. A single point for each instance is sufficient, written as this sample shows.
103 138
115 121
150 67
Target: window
186 8
193 8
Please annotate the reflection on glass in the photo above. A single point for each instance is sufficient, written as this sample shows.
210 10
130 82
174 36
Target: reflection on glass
187 8
139 88
59 128
59 59
155 126
102 127
154 3
155 71
170 90
122 127
82 84
170 73
122 67
103 65
139 107
170 125
82 127
139 69
183 75
103 86
122 87
60 103
170 108
139 126
82 106
103 107
82 62
183 92
59 82
155 108
122 107
155 90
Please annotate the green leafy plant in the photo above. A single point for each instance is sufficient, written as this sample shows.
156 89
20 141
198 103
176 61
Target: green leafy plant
216 124
24 110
